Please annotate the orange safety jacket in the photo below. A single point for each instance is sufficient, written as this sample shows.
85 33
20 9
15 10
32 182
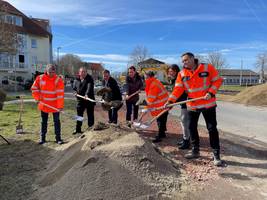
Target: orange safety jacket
204 79
49 90
156 95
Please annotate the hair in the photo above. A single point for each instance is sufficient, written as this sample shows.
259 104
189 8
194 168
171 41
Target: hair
191 55
106 71
174 67
82 68
133 68
50 66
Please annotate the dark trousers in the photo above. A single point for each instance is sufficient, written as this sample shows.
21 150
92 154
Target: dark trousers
162 121
113 115
131 107
44 117
90 115
211 124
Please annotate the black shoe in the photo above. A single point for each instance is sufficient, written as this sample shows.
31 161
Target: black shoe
157 139
76 132
216 158
185 144
193 154
59 142
180 142
41 142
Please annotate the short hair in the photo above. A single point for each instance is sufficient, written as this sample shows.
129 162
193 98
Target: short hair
133 68
83 68
174 67
191 55
106 71
48 66
150 73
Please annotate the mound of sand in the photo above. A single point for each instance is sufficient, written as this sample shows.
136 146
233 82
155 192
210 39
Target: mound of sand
109 164
255 95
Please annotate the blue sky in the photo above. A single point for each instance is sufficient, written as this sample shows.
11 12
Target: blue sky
108 31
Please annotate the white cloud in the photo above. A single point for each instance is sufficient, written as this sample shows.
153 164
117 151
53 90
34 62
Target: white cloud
91 13
108 57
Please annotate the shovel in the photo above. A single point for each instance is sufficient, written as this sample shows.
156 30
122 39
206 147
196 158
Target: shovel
19 127
76 117
5 139
147 124
89 99
138 122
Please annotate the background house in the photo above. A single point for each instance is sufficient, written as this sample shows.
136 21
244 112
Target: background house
238 77
151 64
35 48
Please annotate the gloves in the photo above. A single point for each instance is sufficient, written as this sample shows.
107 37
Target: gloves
145 110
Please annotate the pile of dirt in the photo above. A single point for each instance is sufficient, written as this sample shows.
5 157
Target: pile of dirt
255 95
109 164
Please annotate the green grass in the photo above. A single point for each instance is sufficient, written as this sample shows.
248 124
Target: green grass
13 97
31 122
233 87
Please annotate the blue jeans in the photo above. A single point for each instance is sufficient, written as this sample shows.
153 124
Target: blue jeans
44 117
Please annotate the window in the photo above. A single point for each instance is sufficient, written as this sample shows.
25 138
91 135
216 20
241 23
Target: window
13 19
34 60
21 58
34 43
17 20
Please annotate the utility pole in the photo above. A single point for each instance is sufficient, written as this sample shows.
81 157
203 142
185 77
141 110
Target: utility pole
58 48
240 79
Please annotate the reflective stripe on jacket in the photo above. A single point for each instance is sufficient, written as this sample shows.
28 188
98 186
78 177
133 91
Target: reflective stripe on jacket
49 90
205 79
156 95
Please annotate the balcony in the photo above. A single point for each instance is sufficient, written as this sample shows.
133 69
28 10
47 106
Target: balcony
6 66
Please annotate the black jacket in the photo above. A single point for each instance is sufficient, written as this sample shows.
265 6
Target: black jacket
133 85
85 87
115 93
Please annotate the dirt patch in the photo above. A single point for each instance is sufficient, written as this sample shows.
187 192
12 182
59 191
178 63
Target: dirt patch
254 95
20 164
121 166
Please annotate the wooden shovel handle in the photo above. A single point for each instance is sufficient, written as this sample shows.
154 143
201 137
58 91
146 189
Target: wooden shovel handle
160 114
133 94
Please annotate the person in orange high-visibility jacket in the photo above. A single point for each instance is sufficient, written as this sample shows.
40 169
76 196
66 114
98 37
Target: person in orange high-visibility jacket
156 96
199 80
48 88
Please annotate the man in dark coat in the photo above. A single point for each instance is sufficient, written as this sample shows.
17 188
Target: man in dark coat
134 84
113 95
84 86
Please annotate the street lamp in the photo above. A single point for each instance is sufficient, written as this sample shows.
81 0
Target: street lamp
58 48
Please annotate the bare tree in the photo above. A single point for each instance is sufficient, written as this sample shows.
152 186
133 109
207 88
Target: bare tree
261 64
139 54
217 60
9 40
69 64
201 58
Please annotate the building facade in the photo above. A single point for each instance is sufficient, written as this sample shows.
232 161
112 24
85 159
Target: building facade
239 77
34 50
151 64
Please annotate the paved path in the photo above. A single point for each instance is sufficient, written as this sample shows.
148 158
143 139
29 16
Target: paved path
238 119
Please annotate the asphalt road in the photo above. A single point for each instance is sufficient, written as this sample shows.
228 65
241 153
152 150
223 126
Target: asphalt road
238 119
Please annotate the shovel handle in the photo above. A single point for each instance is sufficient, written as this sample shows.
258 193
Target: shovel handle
133 94
51 107
160 114
88 99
